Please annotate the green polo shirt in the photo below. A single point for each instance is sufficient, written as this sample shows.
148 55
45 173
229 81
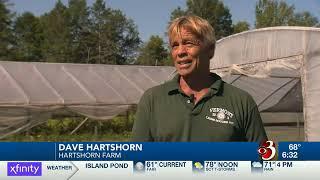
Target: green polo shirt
225 113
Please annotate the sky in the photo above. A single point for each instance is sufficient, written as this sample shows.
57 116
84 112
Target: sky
152 16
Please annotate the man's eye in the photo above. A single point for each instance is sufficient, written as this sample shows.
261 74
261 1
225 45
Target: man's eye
174 46
190 43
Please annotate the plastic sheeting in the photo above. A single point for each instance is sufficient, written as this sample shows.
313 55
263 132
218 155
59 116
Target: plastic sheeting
31 92
279 67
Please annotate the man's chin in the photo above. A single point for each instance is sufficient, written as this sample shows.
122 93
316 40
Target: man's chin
184 73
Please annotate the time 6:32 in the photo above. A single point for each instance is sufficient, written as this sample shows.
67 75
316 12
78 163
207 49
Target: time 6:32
290 155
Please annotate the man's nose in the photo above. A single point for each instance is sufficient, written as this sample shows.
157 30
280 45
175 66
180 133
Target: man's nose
182 51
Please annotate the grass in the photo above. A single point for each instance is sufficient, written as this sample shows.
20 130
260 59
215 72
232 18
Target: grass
109 137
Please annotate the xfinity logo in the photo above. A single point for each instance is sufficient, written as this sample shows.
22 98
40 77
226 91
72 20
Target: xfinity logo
24 169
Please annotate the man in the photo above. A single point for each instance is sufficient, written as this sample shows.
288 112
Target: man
196 105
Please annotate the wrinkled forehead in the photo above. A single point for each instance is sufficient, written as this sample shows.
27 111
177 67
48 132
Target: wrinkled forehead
184 30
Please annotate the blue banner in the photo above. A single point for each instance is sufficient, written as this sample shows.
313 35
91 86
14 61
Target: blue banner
27 151
299 151
115 151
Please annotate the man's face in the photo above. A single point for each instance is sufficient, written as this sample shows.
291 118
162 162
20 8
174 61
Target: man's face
190 55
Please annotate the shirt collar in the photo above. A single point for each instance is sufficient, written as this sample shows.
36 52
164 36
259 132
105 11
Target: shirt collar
174 87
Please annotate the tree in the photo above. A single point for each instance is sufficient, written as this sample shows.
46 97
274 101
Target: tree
5 29
79 29
153 52
278 13
273 13
126 37
28 35
114 38
97 14
303 19
177 13
240 27
213 11
57 34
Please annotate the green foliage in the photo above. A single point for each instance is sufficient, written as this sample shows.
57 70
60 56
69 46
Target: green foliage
303 19
28 38
278 13
214 11
240 27
273 13
114 37
153 52
125 38
168 61
57 36
59 129
119 124
107 137
177 13
70 34
5 29
79 29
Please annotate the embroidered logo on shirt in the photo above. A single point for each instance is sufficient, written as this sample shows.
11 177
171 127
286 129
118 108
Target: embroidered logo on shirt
220 115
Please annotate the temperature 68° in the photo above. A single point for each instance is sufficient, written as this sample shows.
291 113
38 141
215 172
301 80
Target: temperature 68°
294 147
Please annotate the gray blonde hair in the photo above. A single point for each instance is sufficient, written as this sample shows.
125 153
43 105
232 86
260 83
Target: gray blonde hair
200 27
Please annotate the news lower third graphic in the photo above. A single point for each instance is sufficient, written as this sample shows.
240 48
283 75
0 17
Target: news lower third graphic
267 150
135 160
24 169
95 151
198 166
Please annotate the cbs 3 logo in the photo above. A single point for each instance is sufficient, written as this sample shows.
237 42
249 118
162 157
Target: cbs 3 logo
267 150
